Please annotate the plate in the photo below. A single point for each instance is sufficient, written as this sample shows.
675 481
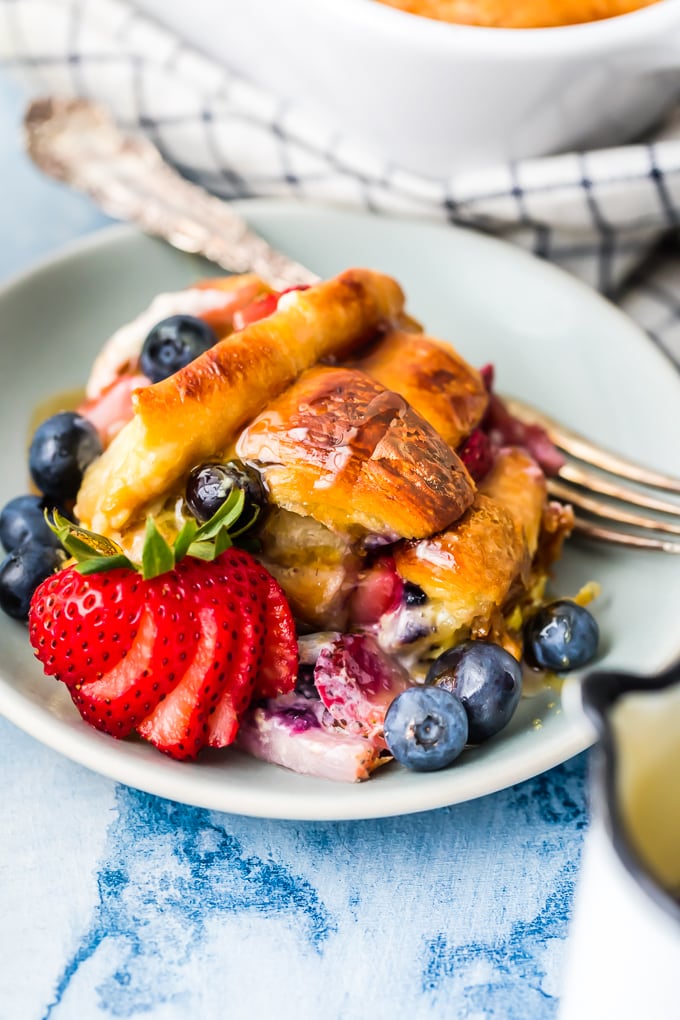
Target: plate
553 342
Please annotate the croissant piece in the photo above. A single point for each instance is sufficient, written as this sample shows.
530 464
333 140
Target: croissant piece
471 567
339 447
436 381
194 414
516 481
316 568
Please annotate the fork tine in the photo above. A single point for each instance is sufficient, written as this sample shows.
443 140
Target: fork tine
590 530
583 449
609 511
595 482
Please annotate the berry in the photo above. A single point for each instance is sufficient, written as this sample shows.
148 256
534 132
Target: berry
279 665
561 636
378 591
426 728
23 520
259 309
175 655
414 594
357 682
209 485
60 451
178 725
174 343
476 453
118 642
22 572
304 684
486 679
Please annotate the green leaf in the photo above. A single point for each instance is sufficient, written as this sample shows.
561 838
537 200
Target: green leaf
247 526
185 538
228 514
222 541
100 564
157 556
202 550
82 544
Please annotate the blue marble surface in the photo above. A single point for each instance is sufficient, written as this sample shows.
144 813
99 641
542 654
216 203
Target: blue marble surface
114 903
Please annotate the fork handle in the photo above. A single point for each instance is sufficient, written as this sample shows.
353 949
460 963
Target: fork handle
77 142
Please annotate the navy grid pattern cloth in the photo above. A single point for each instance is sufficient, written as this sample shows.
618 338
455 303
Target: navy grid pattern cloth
608 216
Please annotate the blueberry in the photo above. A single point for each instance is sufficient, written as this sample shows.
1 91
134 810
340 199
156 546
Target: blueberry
61 448
426 728
561 636
304 684
488 681
210 485
174 343
23 520
20 574
414 594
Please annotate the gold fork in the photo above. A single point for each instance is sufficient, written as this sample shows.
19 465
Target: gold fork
77 142
598 481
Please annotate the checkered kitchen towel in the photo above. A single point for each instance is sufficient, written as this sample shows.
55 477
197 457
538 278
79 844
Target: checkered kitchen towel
608 216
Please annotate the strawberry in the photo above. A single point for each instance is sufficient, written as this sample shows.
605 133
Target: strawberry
263 306
379 590
76 629
174 652
266 661
223 666
279 665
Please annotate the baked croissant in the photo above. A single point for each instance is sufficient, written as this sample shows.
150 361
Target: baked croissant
191 416
471 568
339 447
436 381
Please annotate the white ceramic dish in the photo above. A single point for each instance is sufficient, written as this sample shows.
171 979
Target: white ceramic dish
552 340
436 98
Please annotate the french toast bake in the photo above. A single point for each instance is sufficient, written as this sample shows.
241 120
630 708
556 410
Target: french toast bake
294 518
355 421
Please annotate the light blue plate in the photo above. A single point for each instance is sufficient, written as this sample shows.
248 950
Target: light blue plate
553 342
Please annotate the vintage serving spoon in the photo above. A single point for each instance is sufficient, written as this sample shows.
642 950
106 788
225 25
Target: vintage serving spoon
78 142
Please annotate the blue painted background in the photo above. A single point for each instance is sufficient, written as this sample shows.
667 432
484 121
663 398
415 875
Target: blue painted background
114 903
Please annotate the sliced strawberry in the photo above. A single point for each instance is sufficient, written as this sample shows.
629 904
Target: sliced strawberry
259 309
262 307
223 724
243 666
203 708
119 700
223 318
244 594
279 665
80 627
357 682
178 724
266 661
112 409
378 591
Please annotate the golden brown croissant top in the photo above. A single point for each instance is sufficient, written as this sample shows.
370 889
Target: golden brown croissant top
191 416
516 481
436 381
339 447
474 566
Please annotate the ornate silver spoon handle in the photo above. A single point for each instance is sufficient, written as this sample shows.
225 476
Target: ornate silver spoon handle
77 142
